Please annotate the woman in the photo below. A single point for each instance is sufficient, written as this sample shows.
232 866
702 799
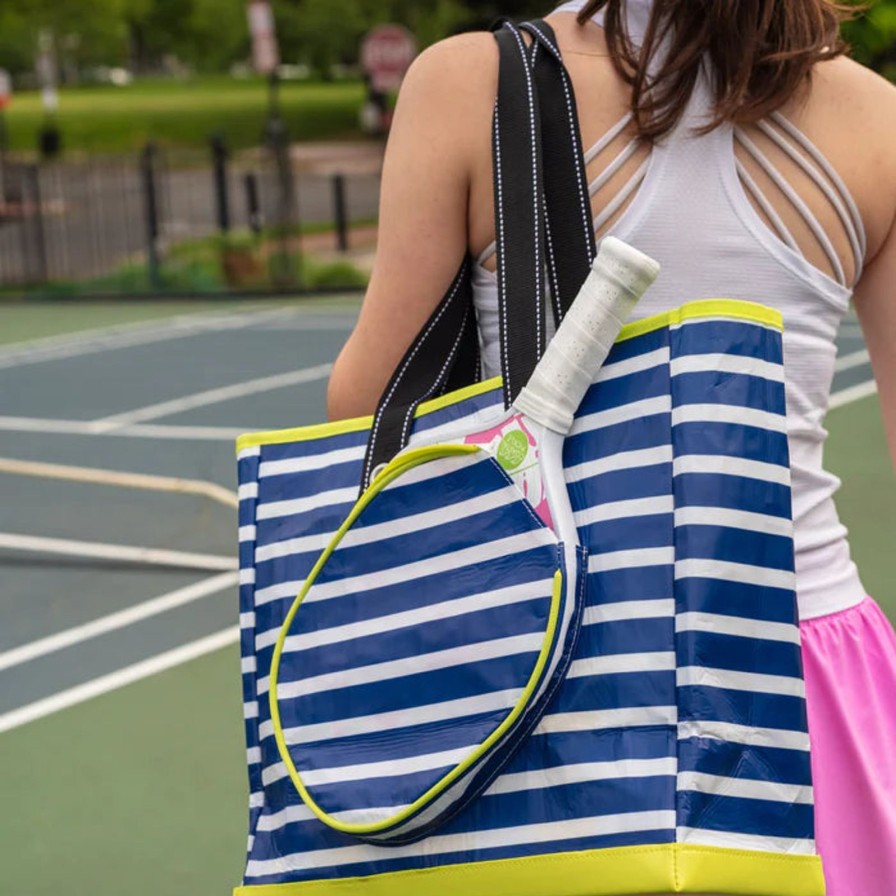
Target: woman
761 150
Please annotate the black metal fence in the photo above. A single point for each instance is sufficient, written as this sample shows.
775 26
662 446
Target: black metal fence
176 222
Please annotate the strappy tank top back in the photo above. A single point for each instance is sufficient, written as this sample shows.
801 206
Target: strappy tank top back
694 204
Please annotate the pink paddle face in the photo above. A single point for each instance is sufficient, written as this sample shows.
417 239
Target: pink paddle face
543 412
516 449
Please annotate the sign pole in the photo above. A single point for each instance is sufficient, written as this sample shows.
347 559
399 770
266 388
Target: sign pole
5 100
266 59
266 55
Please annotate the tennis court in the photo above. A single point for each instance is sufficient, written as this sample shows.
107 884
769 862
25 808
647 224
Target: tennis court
121 752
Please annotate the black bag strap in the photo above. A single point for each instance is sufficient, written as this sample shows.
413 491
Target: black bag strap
570 225
519 213
543 222
428 366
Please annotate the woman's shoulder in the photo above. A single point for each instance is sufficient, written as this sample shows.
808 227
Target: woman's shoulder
849 113
454 65
450 88
845 86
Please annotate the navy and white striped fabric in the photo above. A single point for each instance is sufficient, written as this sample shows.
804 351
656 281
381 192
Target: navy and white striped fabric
454 614
682 715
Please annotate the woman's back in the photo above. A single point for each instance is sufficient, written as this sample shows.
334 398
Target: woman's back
797 211
847 112
753 212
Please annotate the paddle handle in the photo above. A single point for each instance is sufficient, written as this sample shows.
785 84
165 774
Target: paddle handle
619 276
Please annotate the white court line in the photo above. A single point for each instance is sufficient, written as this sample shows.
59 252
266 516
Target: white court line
79 633
94 550
853 393
144 431
115 680
314 325
120 479
102 339
854 359
213 396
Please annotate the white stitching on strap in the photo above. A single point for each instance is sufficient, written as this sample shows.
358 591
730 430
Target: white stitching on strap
452 354
404 367
585 205
552 255
533 134
502 276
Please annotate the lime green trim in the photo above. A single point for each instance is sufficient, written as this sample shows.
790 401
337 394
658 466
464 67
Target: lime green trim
704 308
458 395
303 433
396 468
668 868
358 424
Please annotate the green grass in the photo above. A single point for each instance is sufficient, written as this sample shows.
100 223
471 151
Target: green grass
185 113
199 270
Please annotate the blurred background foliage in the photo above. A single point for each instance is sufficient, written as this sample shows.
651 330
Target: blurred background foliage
149 36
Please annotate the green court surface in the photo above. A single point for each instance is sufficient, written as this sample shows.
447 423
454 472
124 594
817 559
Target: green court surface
140 791
122 762
857 453
23 322
27 321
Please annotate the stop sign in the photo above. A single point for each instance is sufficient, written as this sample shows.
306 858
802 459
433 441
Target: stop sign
386 54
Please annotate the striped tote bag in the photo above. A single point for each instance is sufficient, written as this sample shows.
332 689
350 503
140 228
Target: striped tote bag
659 744
674 756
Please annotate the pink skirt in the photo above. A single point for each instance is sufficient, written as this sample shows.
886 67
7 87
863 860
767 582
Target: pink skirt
850 667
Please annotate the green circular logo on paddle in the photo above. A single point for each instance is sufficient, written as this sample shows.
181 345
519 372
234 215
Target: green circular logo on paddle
513 449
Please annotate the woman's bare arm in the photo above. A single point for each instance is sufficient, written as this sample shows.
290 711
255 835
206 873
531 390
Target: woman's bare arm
442 116
871 140
875 301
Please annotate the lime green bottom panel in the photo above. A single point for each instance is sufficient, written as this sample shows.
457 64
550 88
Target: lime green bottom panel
630 871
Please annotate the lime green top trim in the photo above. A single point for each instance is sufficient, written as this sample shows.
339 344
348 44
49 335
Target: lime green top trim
358 424
704 308
392 471
667 868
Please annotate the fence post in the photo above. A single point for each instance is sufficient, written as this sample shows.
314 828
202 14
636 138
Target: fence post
253 209
339 212
219 167
151 209
36 214
4 150
285 272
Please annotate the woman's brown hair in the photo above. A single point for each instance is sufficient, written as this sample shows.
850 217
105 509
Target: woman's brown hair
760 52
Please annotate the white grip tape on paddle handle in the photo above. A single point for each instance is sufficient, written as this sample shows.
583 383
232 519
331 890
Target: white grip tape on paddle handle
618 278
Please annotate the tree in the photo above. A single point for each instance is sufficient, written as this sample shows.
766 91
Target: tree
84 33
873 37
205 34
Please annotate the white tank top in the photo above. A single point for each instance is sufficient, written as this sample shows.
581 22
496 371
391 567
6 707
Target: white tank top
691 213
